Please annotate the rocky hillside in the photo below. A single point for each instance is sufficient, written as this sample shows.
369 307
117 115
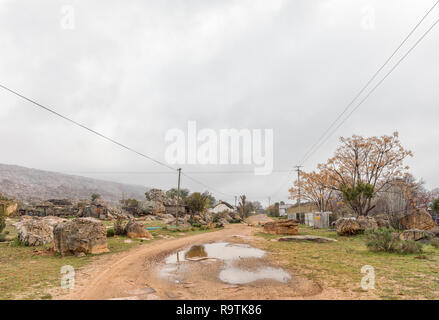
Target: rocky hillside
29 184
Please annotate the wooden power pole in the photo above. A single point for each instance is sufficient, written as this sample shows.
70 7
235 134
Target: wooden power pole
178 197
298 182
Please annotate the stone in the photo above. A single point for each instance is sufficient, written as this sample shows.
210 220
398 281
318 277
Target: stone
415 234
367 223
135 229
348 227
382 222
289 226
418 219
435 231
307 238
86 235
36 231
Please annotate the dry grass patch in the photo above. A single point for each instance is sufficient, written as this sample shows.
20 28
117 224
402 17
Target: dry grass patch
339 264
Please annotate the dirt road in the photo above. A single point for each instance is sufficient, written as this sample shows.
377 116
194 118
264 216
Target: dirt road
144 273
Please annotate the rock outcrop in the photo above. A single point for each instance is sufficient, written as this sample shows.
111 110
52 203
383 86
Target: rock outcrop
367 223
135 229
348 227
290 226
36 231
415 234
80 235
418 219
307 238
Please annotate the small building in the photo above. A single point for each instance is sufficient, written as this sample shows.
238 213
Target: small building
222 206
317 220
283 209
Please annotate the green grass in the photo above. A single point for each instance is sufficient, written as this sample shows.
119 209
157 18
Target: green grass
338 264
29 272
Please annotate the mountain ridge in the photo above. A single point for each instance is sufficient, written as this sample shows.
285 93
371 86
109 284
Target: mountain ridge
28 184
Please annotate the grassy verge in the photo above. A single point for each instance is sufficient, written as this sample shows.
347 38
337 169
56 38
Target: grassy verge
29 272
339 264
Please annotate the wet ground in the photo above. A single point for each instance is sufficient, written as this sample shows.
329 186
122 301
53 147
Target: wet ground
178 265
218 265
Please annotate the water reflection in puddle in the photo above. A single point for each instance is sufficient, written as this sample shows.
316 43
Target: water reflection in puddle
218 250
228 253
238 276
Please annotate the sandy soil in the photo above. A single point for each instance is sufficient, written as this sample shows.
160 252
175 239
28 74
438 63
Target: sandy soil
138 274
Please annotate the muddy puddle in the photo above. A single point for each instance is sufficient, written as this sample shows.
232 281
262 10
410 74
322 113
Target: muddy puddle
239 264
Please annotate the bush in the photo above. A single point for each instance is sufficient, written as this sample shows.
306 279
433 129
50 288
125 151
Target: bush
386 240
110 233
2 237
119 228
2 220
435 242
410 247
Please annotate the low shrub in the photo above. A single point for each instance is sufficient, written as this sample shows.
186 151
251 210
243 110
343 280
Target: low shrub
2 221
119 228
2 237
387 240
410 246
110 233
435 242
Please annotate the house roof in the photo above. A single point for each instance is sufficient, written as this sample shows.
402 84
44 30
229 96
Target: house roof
225 203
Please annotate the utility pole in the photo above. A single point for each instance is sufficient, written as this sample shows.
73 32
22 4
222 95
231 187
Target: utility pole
236 203
178 197
298 182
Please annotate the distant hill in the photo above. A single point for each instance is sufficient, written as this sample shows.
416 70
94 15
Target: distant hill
31 184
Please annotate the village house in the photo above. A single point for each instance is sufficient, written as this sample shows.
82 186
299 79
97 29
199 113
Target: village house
222 206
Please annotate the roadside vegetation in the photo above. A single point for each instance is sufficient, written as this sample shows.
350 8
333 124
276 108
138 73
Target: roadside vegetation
338 264
30 272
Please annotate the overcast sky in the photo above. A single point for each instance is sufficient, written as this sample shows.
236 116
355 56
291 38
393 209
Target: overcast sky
132 70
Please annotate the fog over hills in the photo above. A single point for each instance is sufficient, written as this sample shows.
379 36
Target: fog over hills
28 184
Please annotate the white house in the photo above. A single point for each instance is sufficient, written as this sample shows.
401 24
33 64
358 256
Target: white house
283 209
222 206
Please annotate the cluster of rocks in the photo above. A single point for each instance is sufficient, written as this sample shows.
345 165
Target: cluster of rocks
80 236
289 226
131 229
417 225
75 236
66 208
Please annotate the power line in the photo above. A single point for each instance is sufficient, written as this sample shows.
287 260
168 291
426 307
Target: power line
206 186
305 157
87 128
103 136
168 172
376 86
316 146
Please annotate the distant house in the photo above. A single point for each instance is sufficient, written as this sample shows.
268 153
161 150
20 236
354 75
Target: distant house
222 206
283 209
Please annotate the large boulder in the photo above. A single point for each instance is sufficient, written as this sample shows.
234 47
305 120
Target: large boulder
418 219
348 227
36 231
382 221
289 226
135 229
367 223
415 234
80 235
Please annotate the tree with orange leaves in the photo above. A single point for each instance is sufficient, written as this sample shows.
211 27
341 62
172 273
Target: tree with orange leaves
314 187
362 167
